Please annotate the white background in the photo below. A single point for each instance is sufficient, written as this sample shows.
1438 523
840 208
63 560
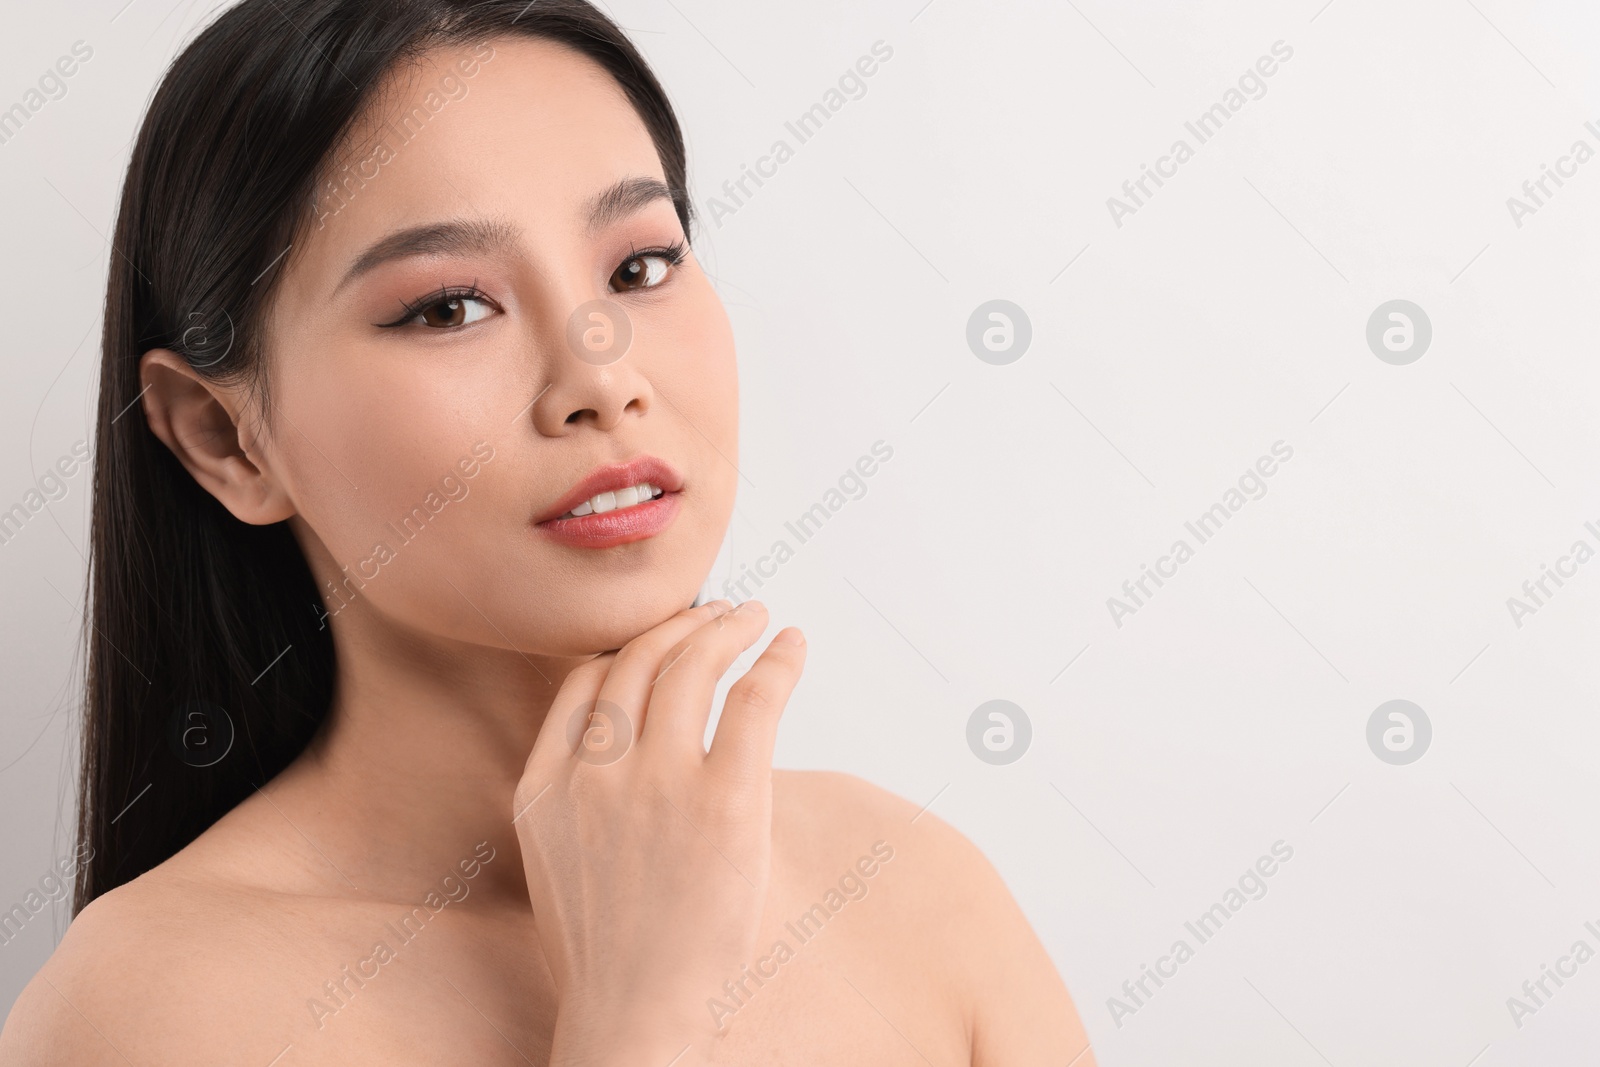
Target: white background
1228 313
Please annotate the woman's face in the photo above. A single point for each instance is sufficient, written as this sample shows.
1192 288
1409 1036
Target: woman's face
483 313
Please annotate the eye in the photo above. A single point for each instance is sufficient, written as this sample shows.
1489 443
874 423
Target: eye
447 309
647 269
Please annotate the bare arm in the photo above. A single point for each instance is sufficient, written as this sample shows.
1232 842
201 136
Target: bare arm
1022 1011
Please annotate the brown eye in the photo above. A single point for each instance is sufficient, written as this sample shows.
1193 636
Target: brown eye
640 272
450 311
445 311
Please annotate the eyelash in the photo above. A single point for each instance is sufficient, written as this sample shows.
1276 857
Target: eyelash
674 254
413 308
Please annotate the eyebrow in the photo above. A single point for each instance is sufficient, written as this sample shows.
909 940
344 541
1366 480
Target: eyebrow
623 199
453 237
480 236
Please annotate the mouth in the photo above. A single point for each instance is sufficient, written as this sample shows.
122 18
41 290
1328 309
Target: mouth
615 504
616 500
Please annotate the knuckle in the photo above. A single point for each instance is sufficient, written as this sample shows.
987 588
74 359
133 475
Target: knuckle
650 650
639 649
527 796
738 612
675 660
737 772
755 693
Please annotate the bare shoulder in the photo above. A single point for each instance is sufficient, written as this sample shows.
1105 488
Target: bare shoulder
44 1027
125 981
822 818
944 911
116 957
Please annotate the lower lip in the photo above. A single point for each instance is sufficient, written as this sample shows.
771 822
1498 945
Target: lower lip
618 527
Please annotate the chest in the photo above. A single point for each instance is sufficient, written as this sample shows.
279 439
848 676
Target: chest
474 989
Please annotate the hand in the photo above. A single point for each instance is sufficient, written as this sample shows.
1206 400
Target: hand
647 857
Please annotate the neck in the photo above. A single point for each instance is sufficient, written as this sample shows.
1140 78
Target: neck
423 746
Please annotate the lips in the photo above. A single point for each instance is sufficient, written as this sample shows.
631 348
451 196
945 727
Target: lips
608 479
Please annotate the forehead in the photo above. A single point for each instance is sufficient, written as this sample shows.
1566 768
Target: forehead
520 128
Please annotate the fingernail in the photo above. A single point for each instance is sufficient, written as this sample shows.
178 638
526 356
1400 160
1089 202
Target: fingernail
789 636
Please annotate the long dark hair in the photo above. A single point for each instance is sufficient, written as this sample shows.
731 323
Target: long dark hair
205 634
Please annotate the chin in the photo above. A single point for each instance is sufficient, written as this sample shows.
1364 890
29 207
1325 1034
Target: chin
592 626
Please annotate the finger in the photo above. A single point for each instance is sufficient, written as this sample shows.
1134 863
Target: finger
597 713
579 689
748 729
626 689
680 699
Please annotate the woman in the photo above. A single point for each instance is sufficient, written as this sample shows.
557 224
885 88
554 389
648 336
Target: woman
417 439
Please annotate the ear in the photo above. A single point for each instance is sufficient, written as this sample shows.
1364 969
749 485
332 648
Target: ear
199 421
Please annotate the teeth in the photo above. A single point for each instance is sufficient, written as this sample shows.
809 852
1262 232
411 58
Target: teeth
621 498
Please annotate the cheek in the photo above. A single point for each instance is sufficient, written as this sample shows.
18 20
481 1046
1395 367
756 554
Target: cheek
701 373
699 376
375 460
721 411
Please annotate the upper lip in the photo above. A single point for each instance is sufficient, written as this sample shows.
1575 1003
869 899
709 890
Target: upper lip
610 477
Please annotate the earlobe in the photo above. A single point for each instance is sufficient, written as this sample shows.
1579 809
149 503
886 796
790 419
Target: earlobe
198 420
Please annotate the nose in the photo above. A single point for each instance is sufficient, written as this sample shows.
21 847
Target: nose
589 386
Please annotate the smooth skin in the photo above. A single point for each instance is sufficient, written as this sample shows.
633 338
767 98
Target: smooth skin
564 910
